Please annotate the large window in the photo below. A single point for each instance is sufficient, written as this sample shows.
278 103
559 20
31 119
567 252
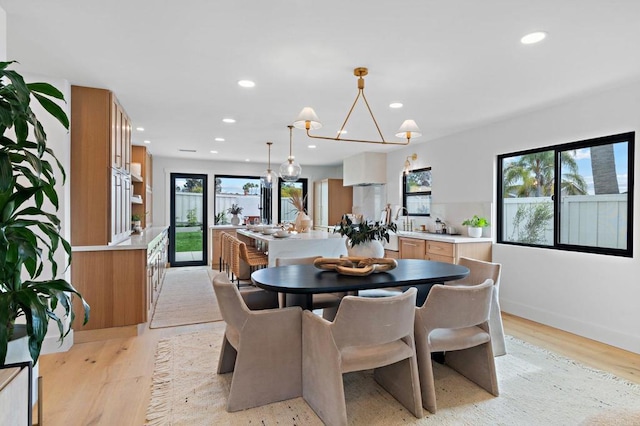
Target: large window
576 196
416 192
243 191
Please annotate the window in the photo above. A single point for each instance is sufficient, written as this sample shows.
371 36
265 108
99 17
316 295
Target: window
286 211
594 210
416 192
245 191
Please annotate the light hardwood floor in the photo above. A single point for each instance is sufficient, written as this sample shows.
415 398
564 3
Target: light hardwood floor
108 382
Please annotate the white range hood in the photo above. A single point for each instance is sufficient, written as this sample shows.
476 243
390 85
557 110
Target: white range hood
368 168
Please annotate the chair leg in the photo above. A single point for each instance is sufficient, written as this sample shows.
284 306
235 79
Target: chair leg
227 359
496 329
425 372
476 364
401 381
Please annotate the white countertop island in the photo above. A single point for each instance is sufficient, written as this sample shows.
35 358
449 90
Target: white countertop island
312 243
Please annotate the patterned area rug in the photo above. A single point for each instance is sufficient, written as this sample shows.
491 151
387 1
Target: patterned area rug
186 297
536 388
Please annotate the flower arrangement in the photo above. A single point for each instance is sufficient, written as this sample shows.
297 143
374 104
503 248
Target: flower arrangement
360 233
297 201
235 209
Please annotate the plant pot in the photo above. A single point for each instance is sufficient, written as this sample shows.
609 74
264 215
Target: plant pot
372 248
303 222
235 220
474 232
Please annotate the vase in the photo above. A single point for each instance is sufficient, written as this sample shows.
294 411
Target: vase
235 220
303 222
474 232
371 248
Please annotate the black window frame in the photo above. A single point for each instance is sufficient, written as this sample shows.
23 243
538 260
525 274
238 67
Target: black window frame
628 137
406 194
305 191
264 195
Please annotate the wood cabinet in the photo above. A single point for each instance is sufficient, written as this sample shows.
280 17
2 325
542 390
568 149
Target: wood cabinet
14 396
442 251
100 168
411 248
330 201
142 185
216 245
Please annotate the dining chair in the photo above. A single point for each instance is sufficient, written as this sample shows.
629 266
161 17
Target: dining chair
262 348
478 272
455 320
328 302
367 333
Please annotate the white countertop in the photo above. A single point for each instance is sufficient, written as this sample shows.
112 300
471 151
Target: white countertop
227 227
311 235
456 239
136 242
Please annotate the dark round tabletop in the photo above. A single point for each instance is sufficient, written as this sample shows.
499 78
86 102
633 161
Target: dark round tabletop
307 279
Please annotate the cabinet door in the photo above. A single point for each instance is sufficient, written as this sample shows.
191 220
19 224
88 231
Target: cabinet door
411 248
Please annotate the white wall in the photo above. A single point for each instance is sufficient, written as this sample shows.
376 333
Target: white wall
164 166
591 295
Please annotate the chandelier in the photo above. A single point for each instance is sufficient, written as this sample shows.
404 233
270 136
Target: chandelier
308 120
290 170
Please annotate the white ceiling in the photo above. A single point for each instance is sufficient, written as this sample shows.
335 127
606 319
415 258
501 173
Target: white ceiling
454 64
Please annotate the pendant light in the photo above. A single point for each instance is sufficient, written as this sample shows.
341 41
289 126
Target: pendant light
268 177
290 170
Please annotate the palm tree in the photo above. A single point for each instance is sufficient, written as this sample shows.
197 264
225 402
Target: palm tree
603 166
533 175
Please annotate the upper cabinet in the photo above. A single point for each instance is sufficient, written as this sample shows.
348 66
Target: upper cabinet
330 201
100 168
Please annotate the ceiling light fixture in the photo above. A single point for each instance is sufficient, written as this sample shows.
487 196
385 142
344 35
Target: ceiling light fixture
213 152
290 170
219 139
246 83
269 177
147 142
534 37
228 120
140 129
407 162
308 120
395 105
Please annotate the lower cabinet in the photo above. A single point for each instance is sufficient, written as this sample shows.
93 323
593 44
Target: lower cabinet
14 396
441 251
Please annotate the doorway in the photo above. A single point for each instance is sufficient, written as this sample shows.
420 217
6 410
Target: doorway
188 228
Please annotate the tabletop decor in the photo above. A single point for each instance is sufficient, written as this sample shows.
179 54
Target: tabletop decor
364 239
235 210
475 225
356 266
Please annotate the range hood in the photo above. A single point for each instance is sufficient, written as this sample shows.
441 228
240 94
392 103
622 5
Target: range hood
368 168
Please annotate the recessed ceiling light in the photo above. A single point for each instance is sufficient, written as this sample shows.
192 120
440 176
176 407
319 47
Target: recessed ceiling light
342 132
246 83
247 159
140 129
147 141
534 37
213 152
311 147
219 139
228 120
395 105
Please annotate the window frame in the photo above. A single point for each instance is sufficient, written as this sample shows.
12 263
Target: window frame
305 192
406 194
628 137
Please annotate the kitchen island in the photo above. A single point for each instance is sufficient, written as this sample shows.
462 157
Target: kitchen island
312 243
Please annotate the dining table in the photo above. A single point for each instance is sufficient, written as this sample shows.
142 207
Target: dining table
301 282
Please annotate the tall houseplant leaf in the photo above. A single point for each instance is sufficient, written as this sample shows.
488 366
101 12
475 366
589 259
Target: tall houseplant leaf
30 235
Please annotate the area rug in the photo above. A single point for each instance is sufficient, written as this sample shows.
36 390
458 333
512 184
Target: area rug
536 388
186 297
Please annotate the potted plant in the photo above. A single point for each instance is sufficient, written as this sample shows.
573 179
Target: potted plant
136 222
364 239
235 210
475 225
30 234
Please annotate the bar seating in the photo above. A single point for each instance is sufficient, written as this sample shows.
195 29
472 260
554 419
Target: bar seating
455 320
367 333
262 348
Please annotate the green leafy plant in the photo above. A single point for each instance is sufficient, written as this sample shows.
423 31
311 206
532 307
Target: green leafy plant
360 233
235 209
135 218
476 222
192 217
531 222
221 219
29 235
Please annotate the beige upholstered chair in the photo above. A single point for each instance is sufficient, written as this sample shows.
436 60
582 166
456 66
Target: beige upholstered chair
328 302
367 333
480 271
263 348
454 320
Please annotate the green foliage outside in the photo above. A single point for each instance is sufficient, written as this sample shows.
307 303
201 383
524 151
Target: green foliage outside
192 217
530 223
221 219
188 241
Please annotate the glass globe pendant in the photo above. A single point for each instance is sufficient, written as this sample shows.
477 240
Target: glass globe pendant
269 177
290 170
